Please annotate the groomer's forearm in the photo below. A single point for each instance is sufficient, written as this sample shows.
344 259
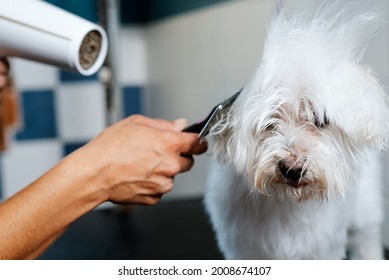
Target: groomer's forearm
42 248
35 217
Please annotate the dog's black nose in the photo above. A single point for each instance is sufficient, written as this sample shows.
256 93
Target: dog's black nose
291 171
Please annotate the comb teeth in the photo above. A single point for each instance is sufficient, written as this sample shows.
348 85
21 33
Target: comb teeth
202 128
231 100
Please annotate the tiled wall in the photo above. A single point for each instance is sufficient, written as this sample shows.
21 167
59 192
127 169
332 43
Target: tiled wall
62 111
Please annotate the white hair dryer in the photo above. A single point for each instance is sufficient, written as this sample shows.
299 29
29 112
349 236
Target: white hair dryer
38 31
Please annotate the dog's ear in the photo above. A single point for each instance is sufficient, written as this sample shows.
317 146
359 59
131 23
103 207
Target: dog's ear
365 109
374 114
220 138
234 138
361 109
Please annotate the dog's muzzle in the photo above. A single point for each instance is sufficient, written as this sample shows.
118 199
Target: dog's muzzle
292 172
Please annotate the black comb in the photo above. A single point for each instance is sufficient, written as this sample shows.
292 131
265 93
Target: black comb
203 127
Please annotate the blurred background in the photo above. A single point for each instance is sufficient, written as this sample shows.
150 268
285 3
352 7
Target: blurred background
167 59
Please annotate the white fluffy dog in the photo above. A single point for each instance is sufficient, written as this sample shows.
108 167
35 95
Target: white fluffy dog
298 174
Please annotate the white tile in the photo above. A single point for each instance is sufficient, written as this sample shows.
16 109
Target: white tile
81 110
24 162
32 75
132 62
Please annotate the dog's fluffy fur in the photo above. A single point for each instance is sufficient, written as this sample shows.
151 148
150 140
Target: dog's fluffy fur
297 175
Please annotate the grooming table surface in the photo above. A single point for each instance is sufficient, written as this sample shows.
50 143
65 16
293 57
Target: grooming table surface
178 230
169 230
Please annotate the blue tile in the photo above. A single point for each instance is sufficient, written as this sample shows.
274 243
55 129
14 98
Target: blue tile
67 76
132 100
134 11
146 11
163 9
39 120
69 148
87 9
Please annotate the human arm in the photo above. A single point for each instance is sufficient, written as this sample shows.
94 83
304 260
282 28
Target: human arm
133 161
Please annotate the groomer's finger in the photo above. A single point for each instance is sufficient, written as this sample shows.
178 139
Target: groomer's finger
184 142
172 165
147 200
159 123
177 125
193 146
180 124
187 162
200 148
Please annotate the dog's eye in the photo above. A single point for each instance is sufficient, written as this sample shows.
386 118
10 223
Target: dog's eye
272 122
270 127
322 123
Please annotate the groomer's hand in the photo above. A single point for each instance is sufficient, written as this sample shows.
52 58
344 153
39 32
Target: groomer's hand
138 157
133 161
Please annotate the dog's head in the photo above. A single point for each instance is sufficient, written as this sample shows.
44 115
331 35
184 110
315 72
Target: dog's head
310 111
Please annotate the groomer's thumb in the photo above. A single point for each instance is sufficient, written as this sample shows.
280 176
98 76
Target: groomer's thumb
179 124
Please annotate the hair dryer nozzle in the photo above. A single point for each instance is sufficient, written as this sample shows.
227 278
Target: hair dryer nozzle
39 31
